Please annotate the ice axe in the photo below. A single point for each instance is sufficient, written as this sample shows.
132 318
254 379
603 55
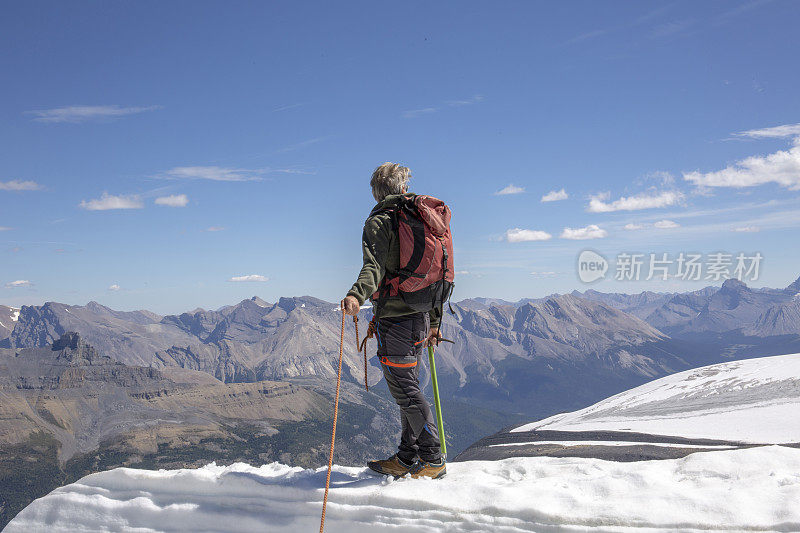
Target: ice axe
436 400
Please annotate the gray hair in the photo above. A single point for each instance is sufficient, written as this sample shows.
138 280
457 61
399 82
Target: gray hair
389 178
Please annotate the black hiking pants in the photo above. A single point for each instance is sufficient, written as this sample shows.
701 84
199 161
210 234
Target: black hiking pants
401 341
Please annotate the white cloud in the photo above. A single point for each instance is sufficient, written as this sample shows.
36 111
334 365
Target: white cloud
462 272
213 173
466 101
525 235
292 171
414 113
215 228
109 201
633 227
592 231
672 28
726 16
599 204
84 113
781 167
659 177
747 229
114 287
588 35
286 107
5 228
173 200
19 283
301 144
555 196
666 224
510 189
250 277
16 185
775 132
547 274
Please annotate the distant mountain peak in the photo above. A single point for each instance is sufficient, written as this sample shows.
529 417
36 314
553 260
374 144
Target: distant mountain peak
293 302
734 284
258 301
97 306
794 288
75 348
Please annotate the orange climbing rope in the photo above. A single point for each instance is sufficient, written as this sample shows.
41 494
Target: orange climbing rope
359 348
335 415
363 346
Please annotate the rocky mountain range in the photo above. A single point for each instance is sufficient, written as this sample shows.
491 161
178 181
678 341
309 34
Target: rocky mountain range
83 398
297 339
526 356
732 308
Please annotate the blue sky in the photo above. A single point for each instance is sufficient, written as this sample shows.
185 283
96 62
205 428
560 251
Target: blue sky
151 152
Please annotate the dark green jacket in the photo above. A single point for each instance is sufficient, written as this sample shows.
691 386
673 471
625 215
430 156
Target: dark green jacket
381 254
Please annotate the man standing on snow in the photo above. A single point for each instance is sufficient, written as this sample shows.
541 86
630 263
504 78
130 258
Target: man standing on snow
407 321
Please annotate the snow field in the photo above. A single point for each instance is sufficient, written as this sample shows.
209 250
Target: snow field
756 488
753 401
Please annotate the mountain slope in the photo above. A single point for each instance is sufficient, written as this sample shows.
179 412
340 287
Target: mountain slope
84 398
562 352
129 337
680 309
732 307
782 318
293 338
733 404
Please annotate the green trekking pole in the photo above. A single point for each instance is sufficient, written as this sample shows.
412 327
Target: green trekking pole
439 423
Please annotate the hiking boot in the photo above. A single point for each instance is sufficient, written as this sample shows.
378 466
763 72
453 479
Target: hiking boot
392 466
425 469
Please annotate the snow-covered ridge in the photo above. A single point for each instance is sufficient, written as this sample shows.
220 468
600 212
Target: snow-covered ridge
756 488
13 315
753 400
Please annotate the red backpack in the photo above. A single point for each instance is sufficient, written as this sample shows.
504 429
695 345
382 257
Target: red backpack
425 278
